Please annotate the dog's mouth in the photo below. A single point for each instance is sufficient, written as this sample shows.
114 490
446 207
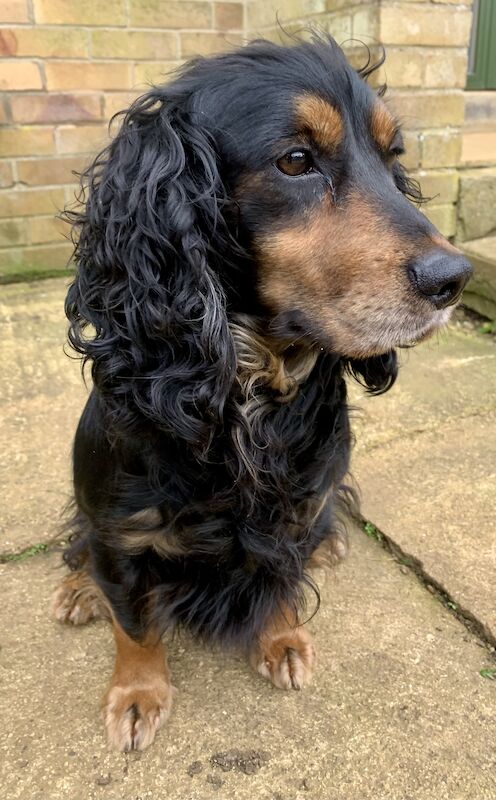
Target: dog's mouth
398 328
360 337
422 332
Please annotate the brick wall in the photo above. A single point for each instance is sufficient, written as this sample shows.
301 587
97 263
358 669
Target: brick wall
426 43
65 68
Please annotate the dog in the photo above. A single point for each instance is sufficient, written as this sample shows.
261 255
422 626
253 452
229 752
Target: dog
247 239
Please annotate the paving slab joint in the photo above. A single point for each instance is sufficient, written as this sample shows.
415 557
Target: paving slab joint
463 615
56 542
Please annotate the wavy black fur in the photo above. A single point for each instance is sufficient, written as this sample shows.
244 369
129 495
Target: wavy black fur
164 269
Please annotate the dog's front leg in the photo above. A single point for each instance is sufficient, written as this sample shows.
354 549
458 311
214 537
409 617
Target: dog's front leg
139 698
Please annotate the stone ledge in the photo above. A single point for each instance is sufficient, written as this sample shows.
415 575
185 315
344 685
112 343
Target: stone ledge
481 291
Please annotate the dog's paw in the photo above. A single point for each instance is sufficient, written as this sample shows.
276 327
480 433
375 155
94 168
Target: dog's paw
78 600
287 660
133 716
338 547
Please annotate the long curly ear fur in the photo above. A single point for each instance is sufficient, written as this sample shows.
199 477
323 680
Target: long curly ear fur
377 373
161 351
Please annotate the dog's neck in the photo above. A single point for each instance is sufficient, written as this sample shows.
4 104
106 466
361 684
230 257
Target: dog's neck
267 362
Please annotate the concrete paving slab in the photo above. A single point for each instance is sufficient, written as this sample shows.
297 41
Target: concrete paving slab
32 340
451 377
41 398
397 709
435 497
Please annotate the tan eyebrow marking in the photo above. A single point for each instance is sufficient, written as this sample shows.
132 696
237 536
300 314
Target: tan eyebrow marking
320 119
383 125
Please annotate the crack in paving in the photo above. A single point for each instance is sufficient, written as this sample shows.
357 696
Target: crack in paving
414 564
436 589
33 550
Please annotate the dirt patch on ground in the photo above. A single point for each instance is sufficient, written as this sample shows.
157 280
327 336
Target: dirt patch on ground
247 761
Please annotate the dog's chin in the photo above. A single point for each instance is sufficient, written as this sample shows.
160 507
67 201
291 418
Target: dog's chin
361 341
403 335
424 331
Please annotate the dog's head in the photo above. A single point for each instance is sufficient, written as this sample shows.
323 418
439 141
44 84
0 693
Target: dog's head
264 181
310 154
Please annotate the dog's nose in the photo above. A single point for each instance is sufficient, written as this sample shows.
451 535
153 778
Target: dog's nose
440 276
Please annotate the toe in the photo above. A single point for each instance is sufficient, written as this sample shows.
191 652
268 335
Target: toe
133 717
77 600
287 661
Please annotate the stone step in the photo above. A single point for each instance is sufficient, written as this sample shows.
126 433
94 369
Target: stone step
477 203
481 291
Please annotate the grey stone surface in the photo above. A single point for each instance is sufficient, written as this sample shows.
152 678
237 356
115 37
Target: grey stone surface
481 292
435 497
41 398
425 462
477 203
453 376
397 708
480 109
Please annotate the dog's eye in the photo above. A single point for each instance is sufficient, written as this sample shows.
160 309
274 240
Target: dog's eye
397 148
295 163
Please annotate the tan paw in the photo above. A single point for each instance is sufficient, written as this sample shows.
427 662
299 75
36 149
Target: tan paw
338 547
133 715
331 552
78 600
287 660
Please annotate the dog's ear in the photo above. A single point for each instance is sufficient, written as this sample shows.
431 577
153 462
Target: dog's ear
377 373
146 244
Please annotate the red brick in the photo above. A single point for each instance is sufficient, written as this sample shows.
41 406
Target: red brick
193 44
19 75
46 229
56 107
78 75
12 231
228 16
44 42
14 11
81 138
37 259
29 203
4 118
118 101
170 14
134 44
155 72
47 171
6 175
26 141
73 12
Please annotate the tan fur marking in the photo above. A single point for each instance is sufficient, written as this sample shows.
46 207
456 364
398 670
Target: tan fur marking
343 264
263 361
145 530
268 372
78 600
331 552
284 654
139 698
443 243
322 121
383 125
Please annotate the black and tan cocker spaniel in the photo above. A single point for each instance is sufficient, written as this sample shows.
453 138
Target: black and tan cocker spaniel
247 239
